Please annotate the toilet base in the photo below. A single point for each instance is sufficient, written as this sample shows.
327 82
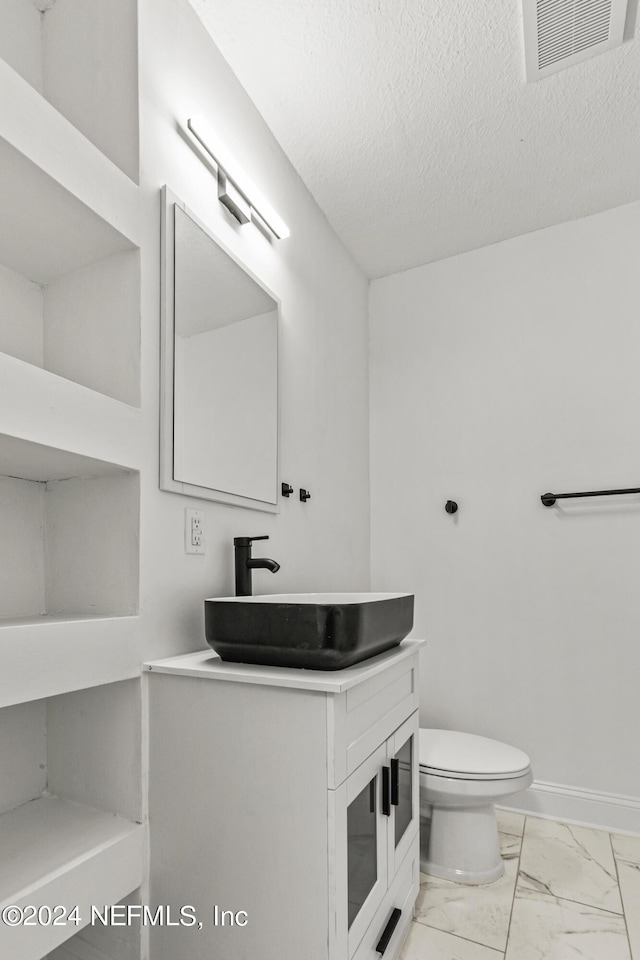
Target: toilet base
463 845
459 876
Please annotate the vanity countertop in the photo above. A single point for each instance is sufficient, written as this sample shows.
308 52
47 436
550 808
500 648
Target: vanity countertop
207 664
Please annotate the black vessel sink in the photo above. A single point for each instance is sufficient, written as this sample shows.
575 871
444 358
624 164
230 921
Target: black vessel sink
319 631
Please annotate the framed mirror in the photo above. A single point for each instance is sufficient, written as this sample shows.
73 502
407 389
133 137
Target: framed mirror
219 369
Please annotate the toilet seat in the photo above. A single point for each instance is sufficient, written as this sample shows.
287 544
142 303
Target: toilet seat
466 756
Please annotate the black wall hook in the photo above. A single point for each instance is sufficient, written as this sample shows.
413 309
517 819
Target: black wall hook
304 495
287 489
451 506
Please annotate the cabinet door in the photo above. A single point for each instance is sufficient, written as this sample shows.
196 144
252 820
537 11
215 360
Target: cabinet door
361 851
404 807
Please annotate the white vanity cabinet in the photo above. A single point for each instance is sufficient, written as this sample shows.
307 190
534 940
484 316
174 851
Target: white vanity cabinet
288 799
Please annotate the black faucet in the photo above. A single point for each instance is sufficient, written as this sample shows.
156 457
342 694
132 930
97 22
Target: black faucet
245 563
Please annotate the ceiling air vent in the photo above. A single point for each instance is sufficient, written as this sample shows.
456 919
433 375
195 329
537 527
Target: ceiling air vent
559 33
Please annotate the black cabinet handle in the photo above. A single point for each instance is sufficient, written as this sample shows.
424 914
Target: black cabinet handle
386 792
395 782
387 933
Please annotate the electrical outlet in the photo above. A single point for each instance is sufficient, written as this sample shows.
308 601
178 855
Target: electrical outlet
194 536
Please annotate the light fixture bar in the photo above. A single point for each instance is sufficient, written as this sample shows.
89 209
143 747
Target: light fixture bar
236 179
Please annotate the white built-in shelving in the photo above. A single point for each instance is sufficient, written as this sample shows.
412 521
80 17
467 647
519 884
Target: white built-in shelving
69 346
81 56
69 261
71 806
69 833
43 656
65 854
69 562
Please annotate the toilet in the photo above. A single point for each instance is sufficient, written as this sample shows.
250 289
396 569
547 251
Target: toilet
462 776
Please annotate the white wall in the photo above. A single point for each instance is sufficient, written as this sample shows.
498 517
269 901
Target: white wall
496 376
321 545
91 327
21 311
20 39
22 573
23 746
91 518
114 127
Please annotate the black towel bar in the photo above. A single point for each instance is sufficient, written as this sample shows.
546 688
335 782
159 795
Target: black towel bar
550 498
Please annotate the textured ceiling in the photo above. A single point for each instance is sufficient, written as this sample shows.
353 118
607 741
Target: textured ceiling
411 124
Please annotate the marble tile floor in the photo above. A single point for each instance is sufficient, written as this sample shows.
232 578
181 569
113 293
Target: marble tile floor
568 893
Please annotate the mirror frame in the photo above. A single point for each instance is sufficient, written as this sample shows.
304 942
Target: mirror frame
167 360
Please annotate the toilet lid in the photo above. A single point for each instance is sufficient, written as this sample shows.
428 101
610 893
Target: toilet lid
451 753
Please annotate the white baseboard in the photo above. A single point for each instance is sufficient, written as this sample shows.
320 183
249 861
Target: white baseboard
555 801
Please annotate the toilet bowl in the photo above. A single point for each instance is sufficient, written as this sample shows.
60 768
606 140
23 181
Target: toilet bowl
462 776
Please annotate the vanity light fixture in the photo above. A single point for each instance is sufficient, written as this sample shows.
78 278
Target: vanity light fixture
230 196
235 190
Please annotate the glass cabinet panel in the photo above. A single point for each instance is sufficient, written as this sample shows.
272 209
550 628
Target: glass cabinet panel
362 848
405 792
403 774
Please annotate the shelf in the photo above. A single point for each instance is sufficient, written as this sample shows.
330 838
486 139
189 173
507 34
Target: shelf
69 252
53 412
64 173
81 58
58 852
69 285
47 232
69 569
46 656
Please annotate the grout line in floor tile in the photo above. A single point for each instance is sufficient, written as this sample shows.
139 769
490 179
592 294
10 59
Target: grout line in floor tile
624 915
515 887
581 903
450 933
